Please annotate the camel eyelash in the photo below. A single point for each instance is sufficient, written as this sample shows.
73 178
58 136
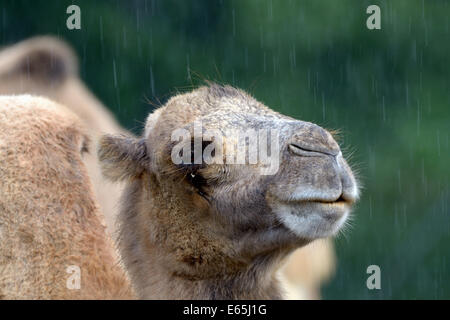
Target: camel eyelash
196 179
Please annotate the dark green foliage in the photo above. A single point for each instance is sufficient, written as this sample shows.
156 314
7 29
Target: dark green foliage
387 90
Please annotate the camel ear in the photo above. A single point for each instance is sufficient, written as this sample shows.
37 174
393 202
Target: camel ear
122 157
45 60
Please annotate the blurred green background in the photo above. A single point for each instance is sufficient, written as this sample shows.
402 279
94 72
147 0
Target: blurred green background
387 90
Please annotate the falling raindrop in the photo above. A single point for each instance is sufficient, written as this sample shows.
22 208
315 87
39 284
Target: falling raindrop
114 73
188 67
152 81
323 107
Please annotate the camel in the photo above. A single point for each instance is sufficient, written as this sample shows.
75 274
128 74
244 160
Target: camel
47 66
305 269
217 229
51 229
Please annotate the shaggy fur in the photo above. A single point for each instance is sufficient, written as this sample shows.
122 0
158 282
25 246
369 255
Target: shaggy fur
306 269
49 219
220 231
46 66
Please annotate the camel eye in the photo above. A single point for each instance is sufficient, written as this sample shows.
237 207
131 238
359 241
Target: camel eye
196 180
200 184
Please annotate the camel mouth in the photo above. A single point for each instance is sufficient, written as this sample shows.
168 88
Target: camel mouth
342 200
326 208
337 201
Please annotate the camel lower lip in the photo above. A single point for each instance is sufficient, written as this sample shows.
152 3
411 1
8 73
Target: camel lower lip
312 219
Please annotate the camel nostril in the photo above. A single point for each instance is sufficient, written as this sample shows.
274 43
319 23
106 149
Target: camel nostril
307 150
296 148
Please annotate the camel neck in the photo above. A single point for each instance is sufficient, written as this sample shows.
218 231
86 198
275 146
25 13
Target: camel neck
255 283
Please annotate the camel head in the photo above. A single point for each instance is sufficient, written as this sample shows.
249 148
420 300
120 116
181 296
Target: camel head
220 179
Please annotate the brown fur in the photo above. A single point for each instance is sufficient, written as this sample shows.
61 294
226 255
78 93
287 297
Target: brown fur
46 66
223 234
49 219
306 269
